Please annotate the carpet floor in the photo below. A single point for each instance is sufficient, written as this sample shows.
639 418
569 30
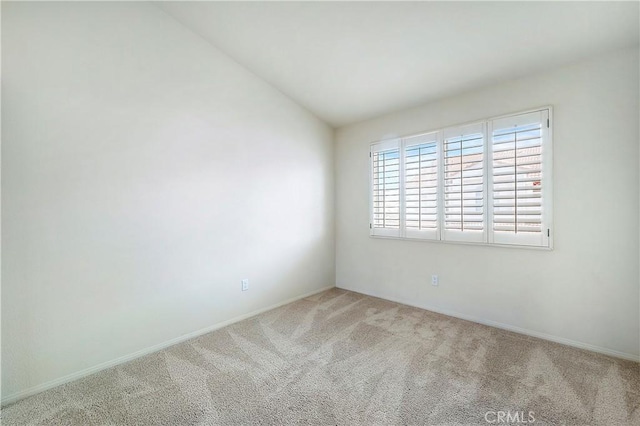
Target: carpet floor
342 358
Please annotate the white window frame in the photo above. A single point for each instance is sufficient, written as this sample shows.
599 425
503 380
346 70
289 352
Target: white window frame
421 234
544 239
466 236
379 147
487 236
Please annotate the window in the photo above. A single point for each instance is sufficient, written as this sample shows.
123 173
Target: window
520 179
486 182
421 186
464 193
385 178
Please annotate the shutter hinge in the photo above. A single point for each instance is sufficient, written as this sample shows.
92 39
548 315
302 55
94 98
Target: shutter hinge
369 155
547 123
370 226
548 232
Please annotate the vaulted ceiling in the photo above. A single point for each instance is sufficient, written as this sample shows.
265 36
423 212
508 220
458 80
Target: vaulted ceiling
350 61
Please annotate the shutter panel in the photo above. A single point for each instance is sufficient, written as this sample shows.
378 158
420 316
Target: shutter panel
385 189
464 183
519 182
421 186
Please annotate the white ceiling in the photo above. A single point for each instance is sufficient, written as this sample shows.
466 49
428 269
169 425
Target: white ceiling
351 61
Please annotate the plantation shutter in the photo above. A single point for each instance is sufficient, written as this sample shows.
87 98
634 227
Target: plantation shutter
464 183
520 182
385 190
421 186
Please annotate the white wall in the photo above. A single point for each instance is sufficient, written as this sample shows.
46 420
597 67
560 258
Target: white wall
144 174
586 290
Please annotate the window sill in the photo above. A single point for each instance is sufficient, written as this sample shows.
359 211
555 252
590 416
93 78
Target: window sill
465 243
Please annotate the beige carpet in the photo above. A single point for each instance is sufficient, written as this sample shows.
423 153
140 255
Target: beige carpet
343 358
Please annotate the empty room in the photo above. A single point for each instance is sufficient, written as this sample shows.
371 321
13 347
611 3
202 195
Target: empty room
327 213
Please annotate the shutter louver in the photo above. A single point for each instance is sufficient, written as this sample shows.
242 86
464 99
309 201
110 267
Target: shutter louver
385 166
421 186
518 179
464 182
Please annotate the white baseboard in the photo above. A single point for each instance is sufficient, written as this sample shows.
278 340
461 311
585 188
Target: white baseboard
103 366
527 332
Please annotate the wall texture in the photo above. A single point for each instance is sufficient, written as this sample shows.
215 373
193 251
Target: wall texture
144 175
583 292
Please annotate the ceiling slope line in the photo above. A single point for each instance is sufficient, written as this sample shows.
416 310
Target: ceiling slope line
244 67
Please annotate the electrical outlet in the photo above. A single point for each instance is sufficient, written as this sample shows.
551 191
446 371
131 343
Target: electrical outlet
245 284
434 280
